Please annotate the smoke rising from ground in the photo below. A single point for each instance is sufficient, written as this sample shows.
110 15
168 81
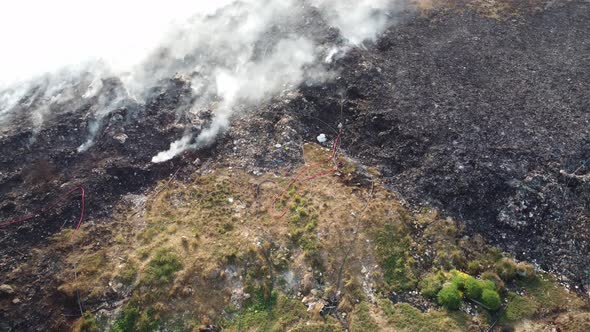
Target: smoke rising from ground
235 53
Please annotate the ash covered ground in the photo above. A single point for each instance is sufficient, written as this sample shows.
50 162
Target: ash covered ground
486 118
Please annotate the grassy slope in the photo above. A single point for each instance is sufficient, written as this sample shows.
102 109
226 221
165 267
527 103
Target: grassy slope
206 251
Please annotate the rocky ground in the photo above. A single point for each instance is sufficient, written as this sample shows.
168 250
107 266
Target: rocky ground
476 108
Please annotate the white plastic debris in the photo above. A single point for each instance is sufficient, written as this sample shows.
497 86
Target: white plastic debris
230 200
278 146
322 138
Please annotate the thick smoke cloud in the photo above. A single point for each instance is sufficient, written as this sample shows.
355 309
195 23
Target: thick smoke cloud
235 53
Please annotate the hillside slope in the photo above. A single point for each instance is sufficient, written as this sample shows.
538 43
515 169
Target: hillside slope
458 198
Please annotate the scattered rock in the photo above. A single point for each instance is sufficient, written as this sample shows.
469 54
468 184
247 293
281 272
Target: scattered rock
6 290
121 138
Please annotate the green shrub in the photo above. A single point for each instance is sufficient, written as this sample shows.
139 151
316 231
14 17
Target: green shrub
473 288
449 297
162 267
491 299
487 284
459 280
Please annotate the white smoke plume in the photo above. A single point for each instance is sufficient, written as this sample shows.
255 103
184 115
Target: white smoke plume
250 82
359 20
243 52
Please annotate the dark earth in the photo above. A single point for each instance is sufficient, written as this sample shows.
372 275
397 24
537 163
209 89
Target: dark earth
485 118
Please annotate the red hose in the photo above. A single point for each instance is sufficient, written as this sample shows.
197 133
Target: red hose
51 206
306 179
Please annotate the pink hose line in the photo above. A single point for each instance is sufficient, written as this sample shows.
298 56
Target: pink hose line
306 179
61 199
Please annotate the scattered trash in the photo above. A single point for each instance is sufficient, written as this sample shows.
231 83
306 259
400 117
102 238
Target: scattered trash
322 138
278 146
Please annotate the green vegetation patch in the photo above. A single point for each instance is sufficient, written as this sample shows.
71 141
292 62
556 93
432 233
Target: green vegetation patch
432 283
463 286
162 267
404 317
132 319
491 299
362 319
260 313
450 297
318 327
128 273
519 307
392 245
88 324
549 296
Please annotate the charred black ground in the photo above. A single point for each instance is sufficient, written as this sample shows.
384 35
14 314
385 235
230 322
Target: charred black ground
486 119
479 117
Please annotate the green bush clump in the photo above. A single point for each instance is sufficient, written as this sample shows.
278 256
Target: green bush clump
473 288
462 286
449 297
491 299
459 279
162 267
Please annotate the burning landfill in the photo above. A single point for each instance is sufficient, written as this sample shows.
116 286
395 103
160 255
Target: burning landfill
296 165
